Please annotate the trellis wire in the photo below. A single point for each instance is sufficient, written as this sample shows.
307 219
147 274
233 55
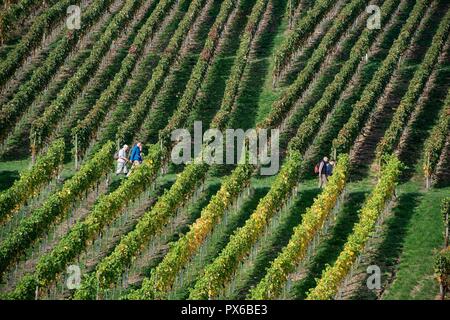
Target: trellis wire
191 271
313 245
375 233
27 209
248 261
41 246
137 268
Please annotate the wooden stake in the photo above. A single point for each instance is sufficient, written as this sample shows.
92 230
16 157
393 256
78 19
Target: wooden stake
291 13
446 230
428 180
33 152
76 152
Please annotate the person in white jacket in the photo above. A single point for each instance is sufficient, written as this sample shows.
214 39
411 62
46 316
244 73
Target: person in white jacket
122 160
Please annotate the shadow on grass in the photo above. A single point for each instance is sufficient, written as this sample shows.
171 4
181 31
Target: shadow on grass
390 249
7 178
235 221
257 70
252 83
442 183
331 246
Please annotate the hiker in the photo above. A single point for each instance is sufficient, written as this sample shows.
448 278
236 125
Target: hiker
135 157
330 167
122 160
321 170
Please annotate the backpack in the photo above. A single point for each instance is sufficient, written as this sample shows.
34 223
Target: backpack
329 169
316 168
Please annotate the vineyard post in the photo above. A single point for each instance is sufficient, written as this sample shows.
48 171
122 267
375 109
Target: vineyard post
76 152
334 153
427 173
97 293
33 149
291 14
380 163
446 229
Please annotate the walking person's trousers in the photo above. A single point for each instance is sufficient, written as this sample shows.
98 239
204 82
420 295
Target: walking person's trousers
322 180
121 167
135 164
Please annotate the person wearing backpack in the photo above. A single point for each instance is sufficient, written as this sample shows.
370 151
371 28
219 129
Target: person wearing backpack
321 170
122 160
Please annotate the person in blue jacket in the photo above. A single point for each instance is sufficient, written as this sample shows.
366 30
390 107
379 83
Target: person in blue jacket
136 156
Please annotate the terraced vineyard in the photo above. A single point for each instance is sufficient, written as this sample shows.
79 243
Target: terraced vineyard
364 82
